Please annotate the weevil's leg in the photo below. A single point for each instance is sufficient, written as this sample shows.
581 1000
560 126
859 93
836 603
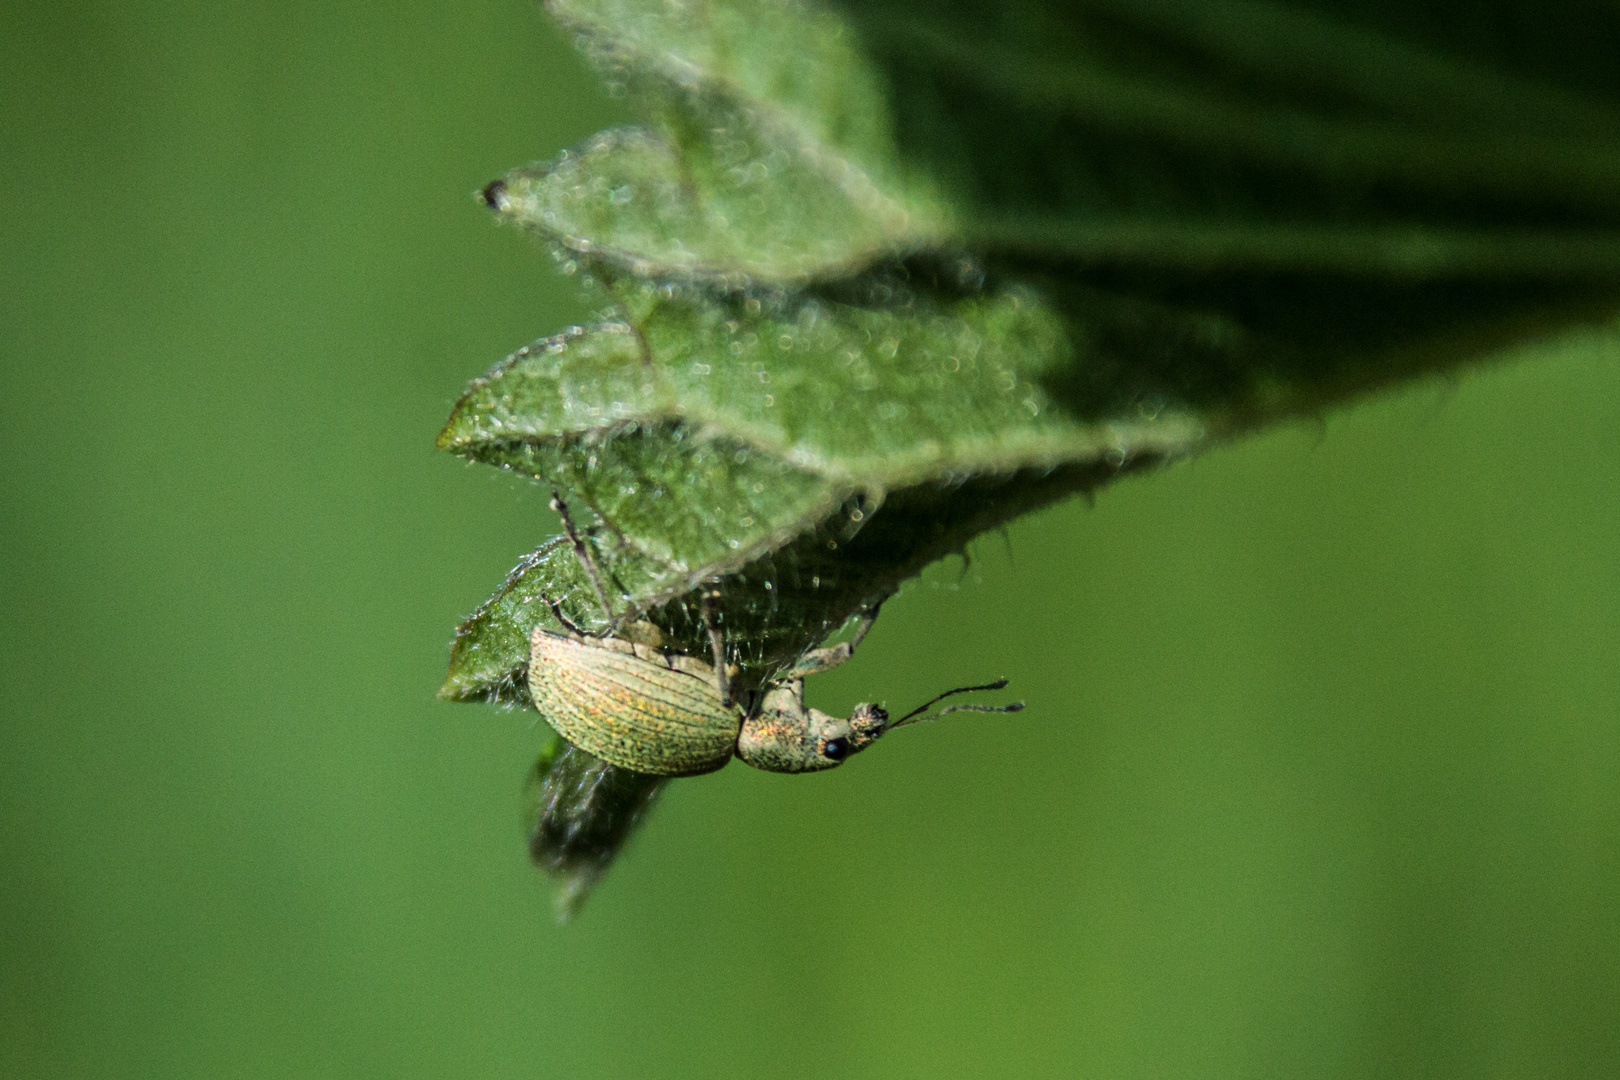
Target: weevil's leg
581 552
567 623
717 642
816 661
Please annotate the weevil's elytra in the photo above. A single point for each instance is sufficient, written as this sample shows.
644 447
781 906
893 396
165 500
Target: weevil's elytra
655 712
628 704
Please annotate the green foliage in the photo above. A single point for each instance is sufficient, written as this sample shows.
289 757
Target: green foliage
582 811
880 277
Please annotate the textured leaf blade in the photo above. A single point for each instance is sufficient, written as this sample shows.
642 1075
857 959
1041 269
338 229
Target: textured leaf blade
868 397
582 811
1123 129
774 606
749 108
1147 225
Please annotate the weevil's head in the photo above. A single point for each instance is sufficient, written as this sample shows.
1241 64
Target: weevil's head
784 736
866 723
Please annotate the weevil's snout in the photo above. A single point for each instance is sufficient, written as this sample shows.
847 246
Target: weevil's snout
784 736
841 738
866 723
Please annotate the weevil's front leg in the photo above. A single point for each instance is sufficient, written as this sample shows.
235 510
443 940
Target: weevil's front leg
717 643
567 623
816 661
582 553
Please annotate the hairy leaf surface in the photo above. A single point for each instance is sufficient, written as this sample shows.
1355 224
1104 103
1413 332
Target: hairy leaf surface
881 276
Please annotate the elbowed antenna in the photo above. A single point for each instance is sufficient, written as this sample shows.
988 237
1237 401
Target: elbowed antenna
997 685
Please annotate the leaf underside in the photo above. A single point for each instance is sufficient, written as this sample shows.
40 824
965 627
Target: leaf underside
877 278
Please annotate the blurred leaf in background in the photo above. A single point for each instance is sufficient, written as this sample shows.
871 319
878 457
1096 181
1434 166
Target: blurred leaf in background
1321 774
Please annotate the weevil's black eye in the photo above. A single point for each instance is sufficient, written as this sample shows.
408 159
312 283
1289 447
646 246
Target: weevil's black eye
835 749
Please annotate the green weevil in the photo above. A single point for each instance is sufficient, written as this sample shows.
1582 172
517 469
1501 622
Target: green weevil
651 711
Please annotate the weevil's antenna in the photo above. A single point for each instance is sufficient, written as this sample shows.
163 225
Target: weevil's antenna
997 685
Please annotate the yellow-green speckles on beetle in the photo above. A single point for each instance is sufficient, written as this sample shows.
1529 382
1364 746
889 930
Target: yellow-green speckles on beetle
640 707
661 713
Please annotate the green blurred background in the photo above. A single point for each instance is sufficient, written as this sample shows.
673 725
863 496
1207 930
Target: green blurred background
1320 775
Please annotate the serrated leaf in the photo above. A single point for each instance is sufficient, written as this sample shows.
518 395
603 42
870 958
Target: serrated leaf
1236 134
740 439
752 108
774 606
865 396
884 276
